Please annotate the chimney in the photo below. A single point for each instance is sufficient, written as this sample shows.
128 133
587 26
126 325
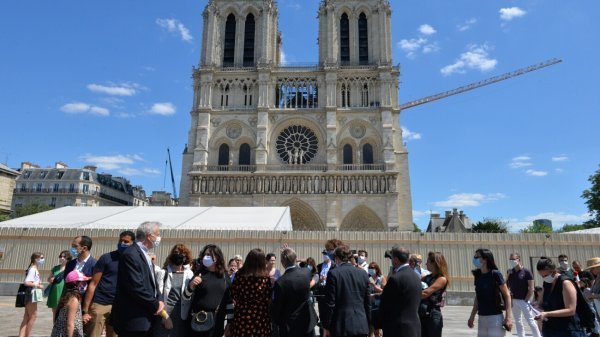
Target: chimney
454 211
90 167
448 213
27 165
461 215
60 165
435 215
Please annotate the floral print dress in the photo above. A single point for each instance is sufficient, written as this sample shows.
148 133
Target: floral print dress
252 296
60 324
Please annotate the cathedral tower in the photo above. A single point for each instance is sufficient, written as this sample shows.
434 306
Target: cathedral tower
324 139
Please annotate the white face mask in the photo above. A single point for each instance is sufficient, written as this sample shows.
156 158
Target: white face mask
513 263
156 241
564 265
207 261
549 278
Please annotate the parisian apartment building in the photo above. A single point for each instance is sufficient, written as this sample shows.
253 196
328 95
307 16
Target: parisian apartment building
8 178
61 186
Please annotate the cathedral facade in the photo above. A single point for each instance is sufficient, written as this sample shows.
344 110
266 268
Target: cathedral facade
324 140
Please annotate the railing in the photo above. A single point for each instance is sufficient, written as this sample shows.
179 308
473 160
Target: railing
360 167
234 107
54 191
290 168
230 168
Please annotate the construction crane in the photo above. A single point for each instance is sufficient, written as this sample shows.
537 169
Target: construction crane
479 84
172 178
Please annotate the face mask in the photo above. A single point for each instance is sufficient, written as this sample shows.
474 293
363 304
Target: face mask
549 278
41 262
310 267
371 271
207 261
156 242
564 265
513 263
178 259
74 252
122 247
325 258
477 262
360 260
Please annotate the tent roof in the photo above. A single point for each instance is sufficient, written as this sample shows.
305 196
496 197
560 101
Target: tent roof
120 217
595 230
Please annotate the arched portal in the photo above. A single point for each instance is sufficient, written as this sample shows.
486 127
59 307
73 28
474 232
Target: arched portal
362 218
304 217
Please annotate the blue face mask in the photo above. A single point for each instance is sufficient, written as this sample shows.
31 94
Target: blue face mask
122 247
73 252
310 267
477 262
360 260
371 271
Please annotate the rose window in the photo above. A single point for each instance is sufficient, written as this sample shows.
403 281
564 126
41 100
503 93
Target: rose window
297 145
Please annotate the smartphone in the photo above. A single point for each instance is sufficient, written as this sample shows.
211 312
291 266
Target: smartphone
505 327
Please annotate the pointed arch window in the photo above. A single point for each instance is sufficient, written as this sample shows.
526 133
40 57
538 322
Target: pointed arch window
249 41
367 154
229 43
363 39
244 158
223 155
344 39
347 154
345 95
364 96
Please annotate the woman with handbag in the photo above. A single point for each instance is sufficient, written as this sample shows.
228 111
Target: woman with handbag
252 294
433 297
172 280
34 284
207 295
57 280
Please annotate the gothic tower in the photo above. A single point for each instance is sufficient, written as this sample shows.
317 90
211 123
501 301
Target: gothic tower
324 139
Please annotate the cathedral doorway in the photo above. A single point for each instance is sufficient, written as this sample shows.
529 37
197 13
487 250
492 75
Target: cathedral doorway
362 218
304 217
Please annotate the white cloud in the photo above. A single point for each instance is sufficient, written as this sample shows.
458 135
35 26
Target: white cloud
116 90
151 171
175 26
466 25
110 162
510 13
410 135
129 171
536 173
431 48
476 58
426 29
163 109
83 108
520 162
521 158
560 158
468 199
558 219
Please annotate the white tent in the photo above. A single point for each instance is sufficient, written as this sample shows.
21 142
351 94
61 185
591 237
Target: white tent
595 230
203 218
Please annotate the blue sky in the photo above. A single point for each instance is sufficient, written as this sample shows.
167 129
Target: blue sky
108 83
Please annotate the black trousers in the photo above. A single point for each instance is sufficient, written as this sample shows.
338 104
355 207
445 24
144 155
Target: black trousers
432 325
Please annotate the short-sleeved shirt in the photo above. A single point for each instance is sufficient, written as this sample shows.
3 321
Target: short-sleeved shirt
518 282
108 265
33 275
486 288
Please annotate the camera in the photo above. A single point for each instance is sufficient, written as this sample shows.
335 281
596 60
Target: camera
388 254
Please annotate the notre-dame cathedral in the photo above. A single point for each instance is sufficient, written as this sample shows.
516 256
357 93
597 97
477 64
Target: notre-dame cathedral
324 140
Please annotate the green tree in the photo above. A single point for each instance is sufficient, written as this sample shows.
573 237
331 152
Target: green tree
4 217
537 227
416 229
490 225
30 209
592 196
570 228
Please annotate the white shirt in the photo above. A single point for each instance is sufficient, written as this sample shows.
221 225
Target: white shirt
33 275
400 267
79 264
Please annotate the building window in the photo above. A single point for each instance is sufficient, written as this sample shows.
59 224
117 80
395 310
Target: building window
38 188
297 144
56 187
26 174
83 202
53 202
43 174
364 95
344 38
249 41
229 45
345 96
23 187
347 154
71 188
363 39
225 96
86 188
367 154
223 155
244 158
86 175
60 174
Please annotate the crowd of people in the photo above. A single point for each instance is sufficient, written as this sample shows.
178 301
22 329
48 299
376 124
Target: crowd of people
127 293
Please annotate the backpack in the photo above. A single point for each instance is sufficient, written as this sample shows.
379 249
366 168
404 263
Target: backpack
583 310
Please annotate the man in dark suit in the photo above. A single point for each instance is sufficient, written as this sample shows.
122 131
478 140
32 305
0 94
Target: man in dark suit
136 300
400 298
323 269
292 311
82 258
347 302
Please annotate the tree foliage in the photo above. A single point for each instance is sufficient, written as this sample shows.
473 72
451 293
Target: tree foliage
570 228
537 227
4 217
592 196
30 209
490 225
416 229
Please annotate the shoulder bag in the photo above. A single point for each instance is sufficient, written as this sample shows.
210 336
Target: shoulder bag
205 320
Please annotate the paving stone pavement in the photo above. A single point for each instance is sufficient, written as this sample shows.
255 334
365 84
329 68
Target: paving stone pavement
455 320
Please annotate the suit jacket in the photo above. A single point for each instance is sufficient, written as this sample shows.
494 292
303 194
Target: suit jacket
400 304
291 309
87 270
136 299
347 303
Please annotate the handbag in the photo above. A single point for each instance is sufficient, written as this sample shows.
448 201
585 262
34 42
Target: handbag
203 320
48 289
37 295
22 294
